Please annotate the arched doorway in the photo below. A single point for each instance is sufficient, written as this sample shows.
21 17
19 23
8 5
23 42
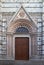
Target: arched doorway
21 44
21 32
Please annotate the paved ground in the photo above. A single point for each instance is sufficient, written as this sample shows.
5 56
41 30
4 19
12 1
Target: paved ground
32 61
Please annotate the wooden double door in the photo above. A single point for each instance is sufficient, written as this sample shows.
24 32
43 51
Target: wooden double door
22 48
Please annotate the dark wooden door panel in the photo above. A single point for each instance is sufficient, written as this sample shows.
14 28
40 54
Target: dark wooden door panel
21 48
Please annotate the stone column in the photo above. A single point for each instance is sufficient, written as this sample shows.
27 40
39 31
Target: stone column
9 45
33 45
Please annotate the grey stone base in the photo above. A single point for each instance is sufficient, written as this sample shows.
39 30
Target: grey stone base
35 60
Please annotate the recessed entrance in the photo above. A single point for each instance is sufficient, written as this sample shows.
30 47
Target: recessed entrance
22 48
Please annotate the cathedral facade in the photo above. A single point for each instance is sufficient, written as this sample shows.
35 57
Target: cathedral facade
21 29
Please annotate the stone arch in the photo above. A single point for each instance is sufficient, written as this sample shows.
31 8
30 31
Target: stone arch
26 26
12 29
21 22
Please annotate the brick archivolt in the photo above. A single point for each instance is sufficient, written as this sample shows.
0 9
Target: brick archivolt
21 23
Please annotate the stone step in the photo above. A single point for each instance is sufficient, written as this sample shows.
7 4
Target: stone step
9 62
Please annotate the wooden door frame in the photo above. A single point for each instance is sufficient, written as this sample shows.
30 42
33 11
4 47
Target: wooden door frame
21 35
